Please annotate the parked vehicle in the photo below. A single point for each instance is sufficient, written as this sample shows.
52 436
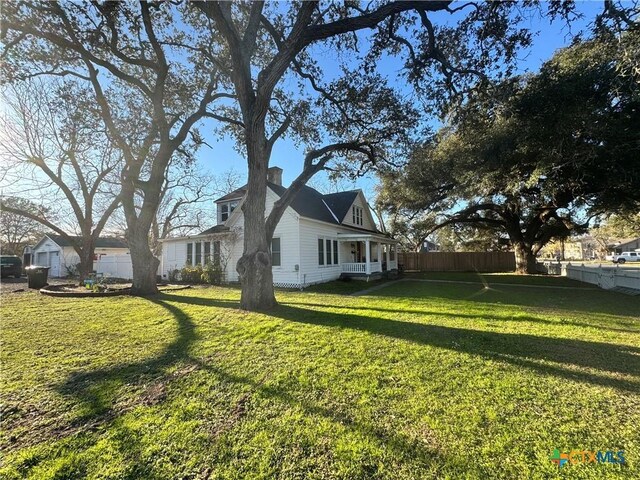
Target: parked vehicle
10 265
624 257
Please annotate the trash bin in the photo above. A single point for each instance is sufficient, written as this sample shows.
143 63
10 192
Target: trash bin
37 276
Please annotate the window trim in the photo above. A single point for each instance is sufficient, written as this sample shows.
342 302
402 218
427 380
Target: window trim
279 252
357 215
198 253
320 258
189 260
330 256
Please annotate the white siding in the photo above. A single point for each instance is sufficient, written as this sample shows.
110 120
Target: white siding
174 251
286 274
174 255
367 220
65 259
310 270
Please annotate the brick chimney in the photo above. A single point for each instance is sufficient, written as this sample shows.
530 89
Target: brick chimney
274 175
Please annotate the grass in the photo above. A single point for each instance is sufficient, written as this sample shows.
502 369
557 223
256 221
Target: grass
416 380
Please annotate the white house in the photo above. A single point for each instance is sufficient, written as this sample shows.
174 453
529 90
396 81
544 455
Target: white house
56 252
318 239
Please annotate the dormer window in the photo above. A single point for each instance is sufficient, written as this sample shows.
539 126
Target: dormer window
226 209
357 215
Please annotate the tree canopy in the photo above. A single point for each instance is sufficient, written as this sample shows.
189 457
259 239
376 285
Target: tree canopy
538 155
157 71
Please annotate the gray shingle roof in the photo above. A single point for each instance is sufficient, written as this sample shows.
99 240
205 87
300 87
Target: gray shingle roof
101 242
340 202
237 193
310 203
216 229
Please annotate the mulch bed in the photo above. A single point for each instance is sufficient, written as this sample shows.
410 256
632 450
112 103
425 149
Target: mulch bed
72 290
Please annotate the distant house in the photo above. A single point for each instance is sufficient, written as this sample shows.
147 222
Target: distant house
56 252
318 239
577 248
624 245
428 246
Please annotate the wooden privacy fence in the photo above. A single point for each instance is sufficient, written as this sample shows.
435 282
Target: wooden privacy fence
458 261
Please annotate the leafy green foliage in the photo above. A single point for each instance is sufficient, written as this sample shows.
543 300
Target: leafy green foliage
534 156
213 273
436 380
192 274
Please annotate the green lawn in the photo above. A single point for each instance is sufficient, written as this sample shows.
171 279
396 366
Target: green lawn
416 380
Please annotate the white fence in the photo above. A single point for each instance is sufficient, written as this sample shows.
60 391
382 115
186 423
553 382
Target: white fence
607 278
118 266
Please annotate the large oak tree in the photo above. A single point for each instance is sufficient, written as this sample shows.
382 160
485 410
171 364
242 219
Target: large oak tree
537 156
158 69
150 88
54 150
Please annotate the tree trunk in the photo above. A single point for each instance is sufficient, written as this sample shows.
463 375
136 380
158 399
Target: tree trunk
144 264
85 267
525 259
254 267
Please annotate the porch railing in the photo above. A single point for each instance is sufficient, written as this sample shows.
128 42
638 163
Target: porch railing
361 267
354 267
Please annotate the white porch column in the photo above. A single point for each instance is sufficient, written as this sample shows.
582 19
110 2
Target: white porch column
386 255
367 257
380 255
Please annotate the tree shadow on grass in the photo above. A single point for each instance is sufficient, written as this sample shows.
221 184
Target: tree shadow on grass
562 357
617 366
592 363
589 301
489 316
97 390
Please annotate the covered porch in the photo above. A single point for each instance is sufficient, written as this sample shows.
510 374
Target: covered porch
367 254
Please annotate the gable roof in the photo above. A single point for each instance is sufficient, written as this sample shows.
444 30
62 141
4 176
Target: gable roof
236 194
101 242
309 203
340 202
217 229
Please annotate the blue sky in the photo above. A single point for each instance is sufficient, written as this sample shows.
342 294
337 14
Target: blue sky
288 156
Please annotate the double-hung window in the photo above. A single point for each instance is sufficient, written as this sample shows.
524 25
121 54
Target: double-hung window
224 209
327 251
320 251
216 252
207 252
198 253
356 213
189 253
275 252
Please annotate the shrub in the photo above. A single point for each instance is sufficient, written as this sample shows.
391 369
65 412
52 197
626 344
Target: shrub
173 275
212 274
72 270
191 274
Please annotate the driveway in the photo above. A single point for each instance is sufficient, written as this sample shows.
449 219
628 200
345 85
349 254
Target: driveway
8 285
